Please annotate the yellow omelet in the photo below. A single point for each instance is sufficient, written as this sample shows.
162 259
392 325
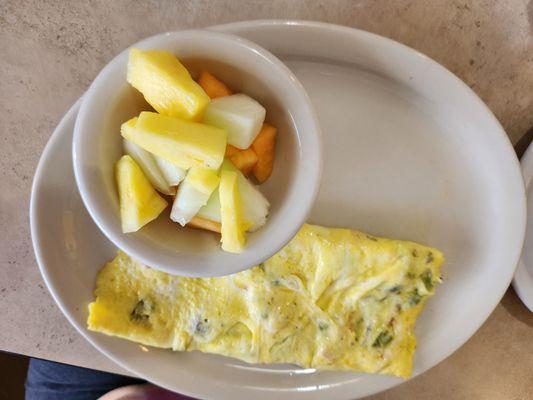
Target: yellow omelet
333 299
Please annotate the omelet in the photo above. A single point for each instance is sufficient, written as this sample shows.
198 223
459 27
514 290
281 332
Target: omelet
332 299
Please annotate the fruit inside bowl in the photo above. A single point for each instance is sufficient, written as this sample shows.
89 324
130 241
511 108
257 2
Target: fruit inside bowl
202 147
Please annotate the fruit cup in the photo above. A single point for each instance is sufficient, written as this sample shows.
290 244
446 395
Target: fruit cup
246 68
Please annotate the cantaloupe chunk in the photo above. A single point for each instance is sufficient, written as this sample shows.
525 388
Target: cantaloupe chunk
205 224
166 84
244 160
139 202
213 86
232 228
181 142
231 150
264 146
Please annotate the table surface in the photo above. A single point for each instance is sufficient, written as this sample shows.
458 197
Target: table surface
51 51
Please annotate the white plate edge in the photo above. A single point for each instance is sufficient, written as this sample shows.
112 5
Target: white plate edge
524 288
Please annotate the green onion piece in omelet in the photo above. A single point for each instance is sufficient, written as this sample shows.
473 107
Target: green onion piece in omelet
333 299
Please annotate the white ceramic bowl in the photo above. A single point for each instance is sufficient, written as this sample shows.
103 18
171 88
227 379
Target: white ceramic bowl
246 68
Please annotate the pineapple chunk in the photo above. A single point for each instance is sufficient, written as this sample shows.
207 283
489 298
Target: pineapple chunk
149 167
254 205
193 193
139 202
203 179
166 84
240 115
147 162
183 143
232 229
171 172
156 168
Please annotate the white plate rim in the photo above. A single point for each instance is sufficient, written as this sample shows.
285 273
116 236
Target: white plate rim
523 279
345 387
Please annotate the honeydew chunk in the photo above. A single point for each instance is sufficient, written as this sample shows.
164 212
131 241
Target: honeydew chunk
139 202
148 166
183 143
255 206
238 114
147 163
193 193
233 229
171 172
211 211
166 84
187 203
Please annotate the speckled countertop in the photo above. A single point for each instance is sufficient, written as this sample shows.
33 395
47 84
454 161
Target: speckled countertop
51 51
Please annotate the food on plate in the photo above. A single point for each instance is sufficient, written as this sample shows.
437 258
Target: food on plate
139 202
245 161
171 172
213 87
181 142
264 145
199 132
193 194
238 114
233 226
166 84
231 150
202 223
333 299
254 205
161 173
259 157
148 165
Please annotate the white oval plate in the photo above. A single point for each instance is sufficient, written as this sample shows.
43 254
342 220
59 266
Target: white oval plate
410 152
523 279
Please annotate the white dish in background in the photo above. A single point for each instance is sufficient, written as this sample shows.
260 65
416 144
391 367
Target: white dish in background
523 279
409 152
291 189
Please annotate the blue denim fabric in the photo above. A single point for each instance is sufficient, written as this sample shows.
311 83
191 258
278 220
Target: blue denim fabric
48 380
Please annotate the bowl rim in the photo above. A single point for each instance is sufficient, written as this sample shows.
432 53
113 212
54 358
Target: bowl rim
299 210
